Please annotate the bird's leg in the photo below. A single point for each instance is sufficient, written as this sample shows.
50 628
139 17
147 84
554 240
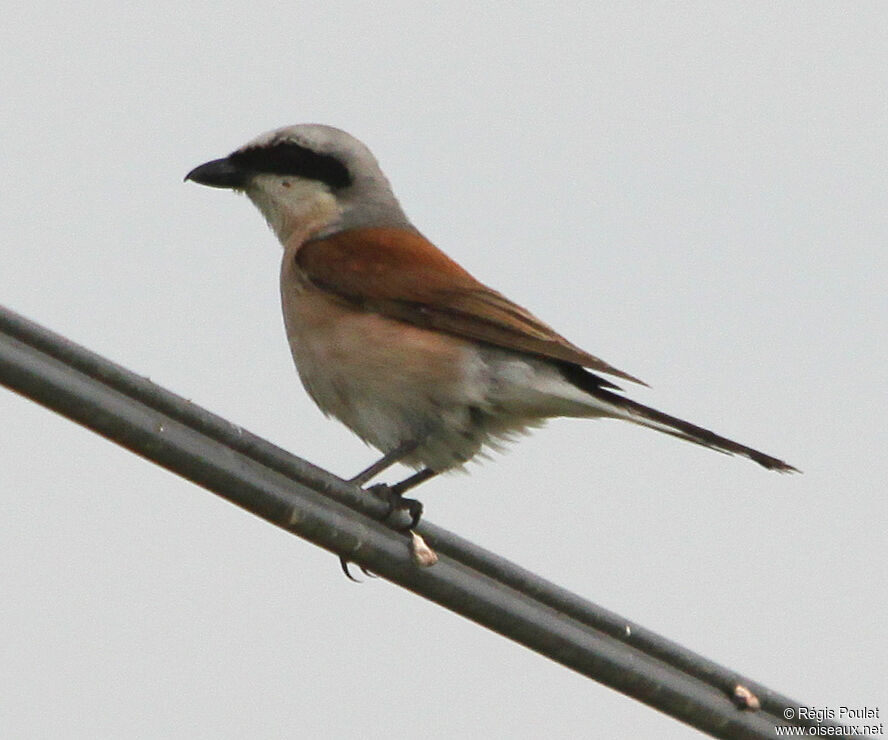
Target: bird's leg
393 495
386 461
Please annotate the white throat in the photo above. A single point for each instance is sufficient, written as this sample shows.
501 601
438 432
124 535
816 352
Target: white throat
293 207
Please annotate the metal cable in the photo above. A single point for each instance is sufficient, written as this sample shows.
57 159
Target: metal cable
324 509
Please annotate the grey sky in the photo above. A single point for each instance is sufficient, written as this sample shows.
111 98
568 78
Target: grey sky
693 192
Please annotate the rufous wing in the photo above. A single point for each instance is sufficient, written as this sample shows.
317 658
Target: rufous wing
401 274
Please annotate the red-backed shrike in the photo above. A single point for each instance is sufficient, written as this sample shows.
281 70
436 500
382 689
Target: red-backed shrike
394 338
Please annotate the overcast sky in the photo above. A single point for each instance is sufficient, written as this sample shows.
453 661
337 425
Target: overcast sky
694 192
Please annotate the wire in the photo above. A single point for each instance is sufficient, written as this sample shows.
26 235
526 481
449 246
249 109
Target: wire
316 505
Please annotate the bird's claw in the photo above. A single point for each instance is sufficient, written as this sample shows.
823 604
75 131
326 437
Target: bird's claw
343 563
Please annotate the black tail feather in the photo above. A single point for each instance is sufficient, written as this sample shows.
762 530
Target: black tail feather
690 432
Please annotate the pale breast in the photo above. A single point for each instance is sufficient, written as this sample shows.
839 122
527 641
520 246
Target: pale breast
388 381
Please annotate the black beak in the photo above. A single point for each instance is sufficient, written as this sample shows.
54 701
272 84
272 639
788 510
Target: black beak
220 173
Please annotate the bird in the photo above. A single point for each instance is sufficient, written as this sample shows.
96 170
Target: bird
396 340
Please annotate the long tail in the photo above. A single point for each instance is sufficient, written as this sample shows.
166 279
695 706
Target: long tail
646 416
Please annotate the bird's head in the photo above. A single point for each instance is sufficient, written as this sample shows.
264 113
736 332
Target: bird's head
307 180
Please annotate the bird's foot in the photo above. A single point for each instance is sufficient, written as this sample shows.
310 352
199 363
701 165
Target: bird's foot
393 496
